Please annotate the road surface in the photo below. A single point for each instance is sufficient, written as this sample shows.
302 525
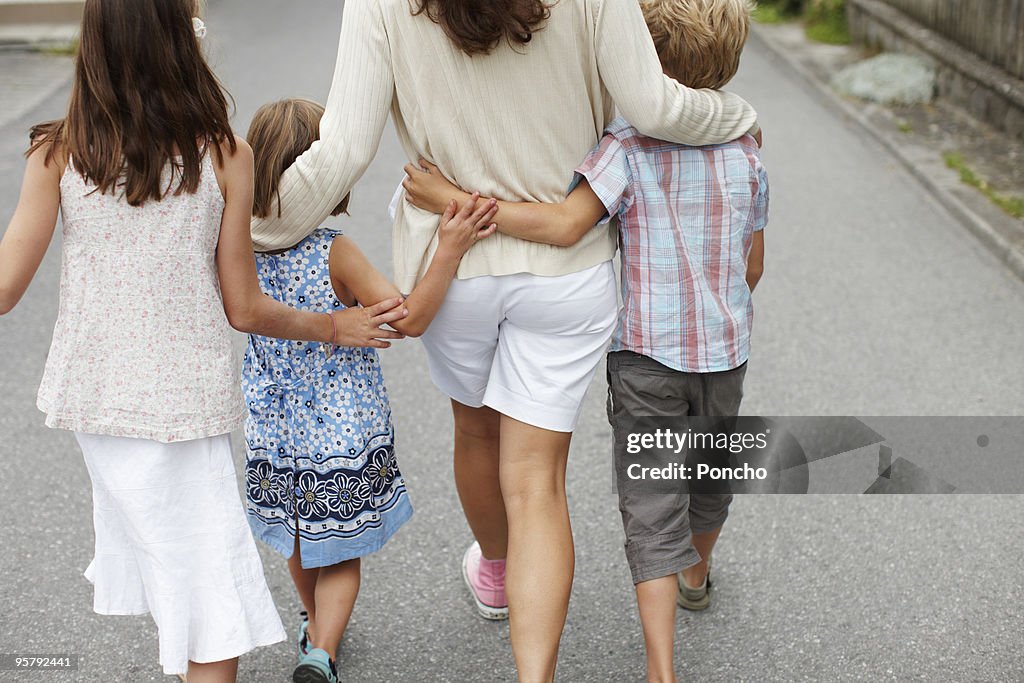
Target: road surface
874 302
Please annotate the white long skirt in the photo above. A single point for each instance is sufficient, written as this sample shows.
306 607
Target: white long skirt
172 540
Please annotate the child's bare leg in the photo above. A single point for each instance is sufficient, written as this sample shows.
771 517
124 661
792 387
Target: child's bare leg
704 544
336 590
305 584
657 602
214 672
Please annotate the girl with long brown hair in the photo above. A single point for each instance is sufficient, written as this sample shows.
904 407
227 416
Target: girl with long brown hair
156 195
508 96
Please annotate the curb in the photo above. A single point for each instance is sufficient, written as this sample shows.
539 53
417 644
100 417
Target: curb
1008 253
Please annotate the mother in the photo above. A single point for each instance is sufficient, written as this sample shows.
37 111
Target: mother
505 96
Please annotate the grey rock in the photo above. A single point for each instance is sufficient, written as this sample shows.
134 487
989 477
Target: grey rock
888 79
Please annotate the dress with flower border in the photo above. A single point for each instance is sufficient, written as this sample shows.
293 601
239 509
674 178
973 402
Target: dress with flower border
320 442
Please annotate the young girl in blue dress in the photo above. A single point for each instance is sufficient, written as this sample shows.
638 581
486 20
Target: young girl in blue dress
323 486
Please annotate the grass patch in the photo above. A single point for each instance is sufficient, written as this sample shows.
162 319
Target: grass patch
832 31
904 126
1011 204
777 11
769 14
826 22
61 50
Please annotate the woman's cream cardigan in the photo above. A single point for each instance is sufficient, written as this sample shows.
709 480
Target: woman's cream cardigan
512 124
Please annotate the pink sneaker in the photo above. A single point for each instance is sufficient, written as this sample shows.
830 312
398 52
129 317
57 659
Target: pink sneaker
486 582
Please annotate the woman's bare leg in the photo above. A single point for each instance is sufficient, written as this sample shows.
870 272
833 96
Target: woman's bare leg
337 588
477 479
305 584
657 602
541 557
214 672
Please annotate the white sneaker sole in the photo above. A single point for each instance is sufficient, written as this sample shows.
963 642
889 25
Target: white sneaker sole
486 611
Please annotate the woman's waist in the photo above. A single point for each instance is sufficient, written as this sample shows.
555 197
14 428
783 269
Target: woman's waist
509 255
415 243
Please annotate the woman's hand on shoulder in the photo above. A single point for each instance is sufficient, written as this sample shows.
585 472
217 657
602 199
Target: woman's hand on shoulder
463 226
428 189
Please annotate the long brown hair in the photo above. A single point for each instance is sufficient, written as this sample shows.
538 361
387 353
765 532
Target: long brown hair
477 26
143 95
279 133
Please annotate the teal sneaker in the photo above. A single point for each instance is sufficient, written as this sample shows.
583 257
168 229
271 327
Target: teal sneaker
304 645
315 667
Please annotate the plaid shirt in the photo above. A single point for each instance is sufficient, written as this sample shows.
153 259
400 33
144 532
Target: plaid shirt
686 221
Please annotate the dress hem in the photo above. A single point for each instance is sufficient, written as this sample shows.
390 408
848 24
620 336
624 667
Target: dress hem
286 548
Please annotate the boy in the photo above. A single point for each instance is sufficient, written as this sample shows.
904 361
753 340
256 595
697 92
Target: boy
692 249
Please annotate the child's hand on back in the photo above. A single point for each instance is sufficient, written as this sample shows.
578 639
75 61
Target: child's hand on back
426 188
364 326
461 228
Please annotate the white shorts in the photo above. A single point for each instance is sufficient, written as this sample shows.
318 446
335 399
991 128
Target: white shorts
524 345
172 540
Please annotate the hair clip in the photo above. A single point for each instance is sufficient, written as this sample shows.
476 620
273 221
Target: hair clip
199 27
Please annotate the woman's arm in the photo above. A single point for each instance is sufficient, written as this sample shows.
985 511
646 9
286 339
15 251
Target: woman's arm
561 225
653 103
250 310
31 228
460 229
350 132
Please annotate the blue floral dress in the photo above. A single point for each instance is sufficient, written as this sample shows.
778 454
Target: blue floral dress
319 436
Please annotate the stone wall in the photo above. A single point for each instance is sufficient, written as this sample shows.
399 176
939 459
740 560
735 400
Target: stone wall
991 29
989 91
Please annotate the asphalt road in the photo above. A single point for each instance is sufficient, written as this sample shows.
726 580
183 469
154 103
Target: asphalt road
874 302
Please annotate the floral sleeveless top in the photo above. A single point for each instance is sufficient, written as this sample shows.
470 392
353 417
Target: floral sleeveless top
142 347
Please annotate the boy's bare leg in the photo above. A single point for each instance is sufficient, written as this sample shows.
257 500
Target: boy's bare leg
477 432
541 557
214 672
704 544
657 602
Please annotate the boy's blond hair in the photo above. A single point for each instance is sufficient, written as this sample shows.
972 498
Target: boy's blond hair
699 42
